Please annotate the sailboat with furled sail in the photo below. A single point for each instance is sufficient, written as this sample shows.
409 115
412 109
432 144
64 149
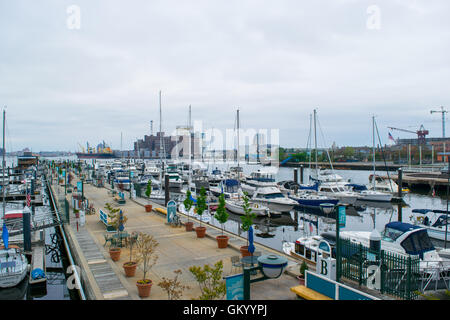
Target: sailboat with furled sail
13 263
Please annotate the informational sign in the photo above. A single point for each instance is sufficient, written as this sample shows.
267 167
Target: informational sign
235 287
342 216
171 210
79 186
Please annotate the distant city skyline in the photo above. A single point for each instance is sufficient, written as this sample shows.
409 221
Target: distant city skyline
89 71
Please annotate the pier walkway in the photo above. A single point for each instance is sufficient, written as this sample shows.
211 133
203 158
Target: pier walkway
177 249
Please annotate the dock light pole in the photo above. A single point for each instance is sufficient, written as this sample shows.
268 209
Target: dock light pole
271 267
448 184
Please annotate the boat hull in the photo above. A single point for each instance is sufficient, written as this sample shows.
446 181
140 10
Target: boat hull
237 209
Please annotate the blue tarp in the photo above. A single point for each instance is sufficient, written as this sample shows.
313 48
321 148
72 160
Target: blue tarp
230 182
37 274
315 186
357 187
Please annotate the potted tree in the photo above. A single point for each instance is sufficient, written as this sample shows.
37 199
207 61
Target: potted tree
201 207
247 222
222 216
301 277
146 256
117 219
130 266
148 192
210 280
188 203
173 287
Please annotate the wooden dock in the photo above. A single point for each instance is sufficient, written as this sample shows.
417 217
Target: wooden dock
38 262
431 180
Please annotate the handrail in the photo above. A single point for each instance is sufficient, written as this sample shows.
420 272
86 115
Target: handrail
66 245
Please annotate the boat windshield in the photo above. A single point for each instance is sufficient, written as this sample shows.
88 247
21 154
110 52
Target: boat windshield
273 196
390 235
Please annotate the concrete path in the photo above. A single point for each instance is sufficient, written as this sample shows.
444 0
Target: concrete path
177 249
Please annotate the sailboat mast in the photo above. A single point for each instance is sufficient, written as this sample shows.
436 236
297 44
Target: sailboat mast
373 142
190 149
238 137
315 142
3 165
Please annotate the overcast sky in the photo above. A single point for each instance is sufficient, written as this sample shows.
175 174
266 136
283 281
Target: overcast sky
275 60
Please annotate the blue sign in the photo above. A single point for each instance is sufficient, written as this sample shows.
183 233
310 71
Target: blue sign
131 174
64 173
235 287
341 216
171 210
79 186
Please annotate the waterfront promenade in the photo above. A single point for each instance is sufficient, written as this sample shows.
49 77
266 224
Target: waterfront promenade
177 249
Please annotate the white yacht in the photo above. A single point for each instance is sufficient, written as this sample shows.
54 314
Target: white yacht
383 184
338 191
273 199
229 187
434 221
259 179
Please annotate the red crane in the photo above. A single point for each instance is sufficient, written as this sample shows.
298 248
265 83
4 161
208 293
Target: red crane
421 133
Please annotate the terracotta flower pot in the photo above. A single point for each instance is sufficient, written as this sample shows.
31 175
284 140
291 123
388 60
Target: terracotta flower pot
301 280
148 208
244 251
144 287
189 226
222 241
130 268
114 253
200 232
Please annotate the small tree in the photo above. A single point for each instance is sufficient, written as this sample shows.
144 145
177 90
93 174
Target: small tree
114 215
173 287
201 203
210 281
303 268
132 241
148 192
146 253
221 212
188 203
247 219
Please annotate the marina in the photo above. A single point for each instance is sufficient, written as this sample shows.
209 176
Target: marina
224 159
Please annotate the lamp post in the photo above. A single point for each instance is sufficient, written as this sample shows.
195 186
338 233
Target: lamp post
448 184
271 267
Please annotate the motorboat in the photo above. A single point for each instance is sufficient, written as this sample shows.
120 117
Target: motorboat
259 179
338 191
237 207
397 237
311 199
228 187
273 199
122 182
369 195
143 182
383 184
175 180
434 221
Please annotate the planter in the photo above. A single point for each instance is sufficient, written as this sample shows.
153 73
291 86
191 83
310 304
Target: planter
148 208
200 232
244 251
114 253
301 280
189 226
144 287
222 241
130 268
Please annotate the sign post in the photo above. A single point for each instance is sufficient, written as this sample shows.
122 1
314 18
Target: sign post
340 222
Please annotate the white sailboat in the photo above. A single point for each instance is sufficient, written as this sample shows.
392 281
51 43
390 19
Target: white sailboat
13 263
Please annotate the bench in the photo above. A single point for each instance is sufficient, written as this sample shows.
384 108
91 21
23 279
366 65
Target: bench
308 294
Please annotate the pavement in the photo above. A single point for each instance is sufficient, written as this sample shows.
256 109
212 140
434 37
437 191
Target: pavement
178 249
